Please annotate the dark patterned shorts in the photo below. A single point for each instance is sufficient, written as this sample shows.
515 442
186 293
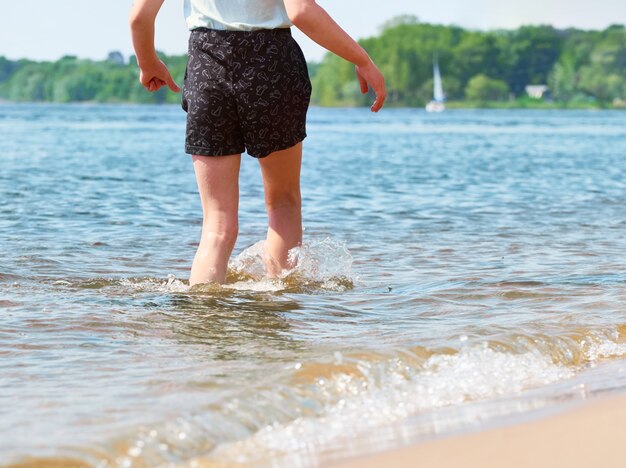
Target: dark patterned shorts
244 91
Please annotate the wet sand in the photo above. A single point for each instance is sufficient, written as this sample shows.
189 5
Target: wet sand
583 435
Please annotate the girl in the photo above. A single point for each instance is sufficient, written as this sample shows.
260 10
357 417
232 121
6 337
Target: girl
247 88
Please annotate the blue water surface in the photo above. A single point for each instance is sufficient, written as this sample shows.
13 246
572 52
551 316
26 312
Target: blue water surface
428 235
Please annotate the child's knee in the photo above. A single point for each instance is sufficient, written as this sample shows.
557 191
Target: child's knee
289 200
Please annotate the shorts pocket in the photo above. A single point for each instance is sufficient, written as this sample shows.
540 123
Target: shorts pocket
304 68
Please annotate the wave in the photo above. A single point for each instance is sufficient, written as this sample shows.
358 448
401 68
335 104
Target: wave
311 407
357 394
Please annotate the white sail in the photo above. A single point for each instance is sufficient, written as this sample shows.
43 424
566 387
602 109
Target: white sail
439 96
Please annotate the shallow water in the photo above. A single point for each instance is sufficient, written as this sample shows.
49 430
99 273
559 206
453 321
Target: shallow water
455 267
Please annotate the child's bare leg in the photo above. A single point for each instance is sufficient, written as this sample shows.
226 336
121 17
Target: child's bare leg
218 184
281 180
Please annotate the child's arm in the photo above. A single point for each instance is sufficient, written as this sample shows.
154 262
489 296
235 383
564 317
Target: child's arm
154 73
313 21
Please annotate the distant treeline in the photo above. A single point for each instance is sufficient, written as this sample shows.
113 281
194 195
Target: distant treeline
581 68
71 79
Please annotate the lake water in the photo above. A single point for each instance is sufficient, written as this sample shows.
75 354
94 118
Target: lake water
456 268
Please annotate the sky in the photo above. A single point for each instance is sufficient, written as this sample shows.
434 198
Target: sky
49 29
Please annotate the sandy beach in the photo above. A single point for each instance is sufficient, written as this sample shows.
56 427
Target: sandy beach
587 434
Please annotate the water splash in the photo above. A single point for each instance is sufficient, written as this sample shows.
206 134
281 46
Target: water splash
324 264
319 264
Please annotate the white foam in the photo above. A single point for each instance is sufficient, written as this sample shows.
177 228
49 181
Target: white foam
605 349
172 284
262 285
393 390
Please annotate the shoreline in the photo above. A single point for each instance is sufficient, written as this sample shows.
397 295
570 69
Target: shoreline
583 434
451 106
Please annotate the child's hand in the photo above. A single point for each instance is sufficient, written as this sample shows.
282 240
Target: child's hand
156 75
369 75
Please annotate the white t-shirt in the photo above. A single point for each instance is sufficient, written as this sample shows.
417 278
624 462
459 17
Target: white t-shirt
240 15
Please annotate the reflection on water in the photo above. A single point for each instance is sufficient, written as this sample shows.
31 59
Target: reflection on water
456 268
236 322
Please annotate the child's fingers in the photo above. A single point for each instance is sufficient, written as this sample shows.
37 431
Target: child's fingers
159 79
172 84
378 103
363 83
156 84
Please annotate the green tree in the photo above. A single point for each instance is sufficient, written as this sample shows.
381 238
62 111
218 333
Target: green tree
596 82
399 20
481 88
529 53
563 82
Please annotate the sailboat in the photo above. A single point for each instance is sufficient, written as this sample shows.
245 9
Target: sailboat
439 99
